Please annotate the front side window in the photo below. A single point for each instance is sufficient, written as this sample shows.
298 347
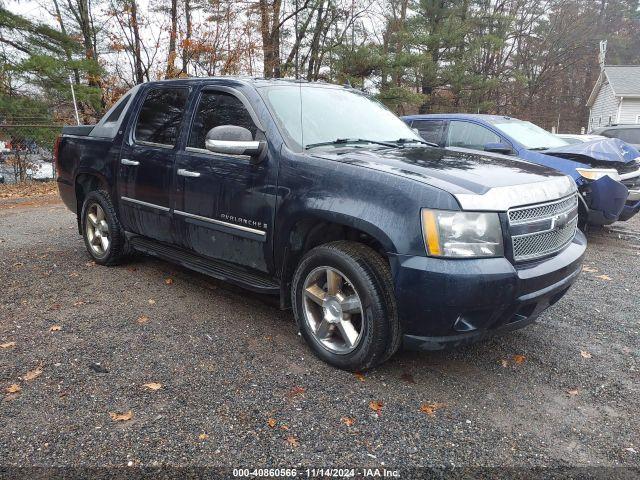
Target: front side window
469 135
430 130
311 115
531 136
160 116
216 109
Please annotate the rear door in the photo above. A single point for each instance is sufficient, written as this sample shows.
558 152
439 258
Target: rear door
430 130
147 161
225 204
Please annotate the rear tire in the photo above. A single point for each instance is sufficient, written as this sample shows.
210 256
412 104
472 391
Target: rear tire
101 230
343 301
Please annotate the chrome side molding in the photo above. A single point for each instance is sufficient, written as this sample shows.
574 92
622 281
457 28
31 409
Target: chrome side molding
220 222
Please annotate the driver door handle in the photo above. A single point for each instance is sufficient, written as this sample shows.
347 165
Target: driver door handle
126 161
186 173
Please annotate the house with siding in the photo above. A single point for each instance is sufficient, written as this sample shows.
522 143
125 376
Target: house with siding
615 98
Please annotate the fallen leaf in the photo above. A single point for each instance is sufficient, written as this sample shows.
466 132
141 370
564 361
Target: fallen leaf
284 427
430 408
589 269
131 269
203 436
631 450
359 376
15 388
293 441
152 301
142 319
55 328
519 359
407 377
585 354
604 277
152 386
572 392
55 306
74 274
78 303
33 374
168 281
90 264
376 406
505 363
272 422
121 417
295 391
8 345
348 421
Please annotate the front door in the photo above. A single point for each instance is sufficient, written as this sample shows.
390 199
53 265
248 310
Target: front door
147 161
225 204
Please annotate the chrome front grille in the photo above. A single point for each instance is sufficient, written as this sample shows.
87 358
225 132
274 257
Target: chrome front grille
541 230
539 212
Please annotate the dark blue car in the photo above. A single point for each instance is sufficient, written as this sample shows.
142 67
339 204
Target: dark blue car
606 171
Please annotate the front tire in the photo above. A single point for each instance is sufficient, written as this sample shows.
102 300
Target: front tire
103 235
343 301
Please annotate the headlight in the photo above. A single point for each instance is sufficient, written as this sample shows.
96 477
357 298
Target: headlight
597 173
462 234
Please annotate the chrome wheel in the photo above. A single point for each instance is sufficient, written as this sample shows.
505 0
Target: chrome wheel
97 230
332 310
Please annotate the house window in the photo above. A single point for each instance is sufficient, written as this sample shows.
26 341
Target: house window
610 118
599 121
638 119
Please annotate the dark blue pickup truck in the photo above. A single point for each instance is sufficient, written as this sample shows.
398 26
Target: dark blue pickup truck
320 195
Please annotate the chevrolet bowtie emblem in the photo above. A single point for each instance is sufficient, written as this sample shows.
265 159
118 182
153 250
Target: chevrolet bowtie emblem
560 221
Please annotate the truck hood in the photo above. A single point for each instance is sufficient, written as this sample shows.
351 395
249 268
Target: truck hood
607 153
478 181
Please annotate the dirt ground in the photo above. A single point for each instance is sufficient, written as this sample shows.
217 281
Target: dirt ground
213 375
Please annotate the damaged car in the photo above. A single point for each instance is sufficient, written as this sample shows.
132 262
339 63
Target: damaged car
606 171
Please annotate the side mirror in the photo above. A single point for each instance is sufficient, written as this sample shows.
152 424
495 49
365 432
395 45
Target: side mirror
233 140
501 148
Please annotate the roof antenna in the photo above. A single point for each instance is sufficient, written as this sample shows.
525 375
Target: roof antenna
75 104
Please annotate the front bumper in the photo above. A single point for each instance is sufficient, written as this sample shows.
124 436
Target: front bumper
446 303
609 201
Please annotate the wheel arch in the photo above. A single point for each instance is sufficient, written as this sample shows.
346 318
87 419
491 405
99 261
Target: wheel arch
317 229
84 183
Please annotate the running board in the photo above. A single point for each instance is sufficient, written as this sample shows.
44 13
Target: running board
213 268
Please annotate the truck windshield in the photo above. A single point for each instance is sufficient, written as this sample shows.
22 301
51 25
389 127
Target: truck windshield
317 116
529 135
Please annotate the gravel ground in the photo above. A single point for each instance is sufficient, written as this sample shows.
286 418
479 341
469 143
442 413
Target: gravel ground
240 388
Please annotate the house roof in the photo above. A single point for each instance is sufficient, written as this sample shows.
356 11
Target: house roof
624 81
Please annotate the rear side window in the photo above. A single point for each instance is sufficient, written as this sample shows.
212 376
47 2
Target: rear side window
160 116
469 135
216 109
110 123
430 130
629 135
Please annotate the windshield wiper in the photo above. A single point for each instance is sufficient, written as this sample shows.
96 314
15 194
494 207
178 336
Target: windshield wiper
344 141
538 149
403 141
